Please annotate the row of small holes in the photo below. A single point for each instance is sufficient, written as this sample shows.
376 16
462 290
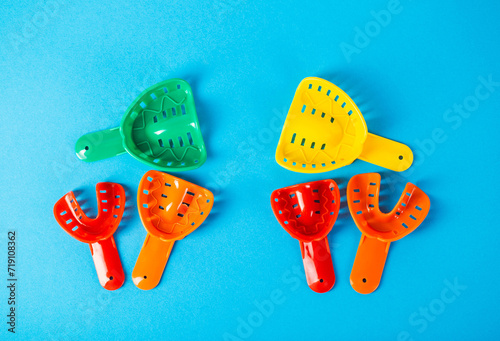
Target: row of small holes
328 94
76 208
397 213
69 221
303 142
313 144
80 217
357 191
165 90
165 196
313 111
297 205
171 144
174 113
305 165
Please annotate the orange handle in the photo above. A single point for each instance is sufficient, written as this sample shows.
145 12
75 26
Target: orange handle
107 263
151 262
318 265
369 264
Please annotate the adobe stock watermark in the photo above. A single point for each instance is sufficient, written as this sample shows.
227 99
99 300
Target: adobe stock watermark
364 35
262 310
88 311
454 117
225 7
248 149
33 23
430 312
152 76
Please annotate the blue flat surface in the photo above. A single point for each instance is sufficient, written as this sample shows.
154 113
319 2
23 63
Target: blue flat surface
73 67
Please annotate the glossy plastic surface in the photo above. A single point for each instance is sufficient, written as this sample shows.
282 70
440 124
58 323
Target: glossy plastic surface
160 128
97 232
324 130
380 229
308 212
170 208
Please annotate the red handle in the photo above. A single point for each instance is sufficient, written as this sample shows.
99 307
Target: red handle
318 265
107 263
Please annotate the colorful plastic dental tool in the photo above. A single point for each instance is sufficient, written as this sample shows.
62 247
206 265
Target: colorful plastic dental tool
160 128
380 229
307 212
97 232
324 130
170 209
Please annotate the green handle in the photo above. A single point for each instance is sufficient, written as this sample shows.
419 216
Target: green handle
99 145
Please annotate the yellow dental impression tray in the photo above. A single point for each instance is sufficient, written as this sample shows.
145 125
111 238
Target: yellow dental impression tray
324 130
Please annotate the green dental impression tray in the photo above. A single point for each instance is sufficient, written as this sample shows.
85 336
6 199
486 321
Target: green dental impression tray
160 128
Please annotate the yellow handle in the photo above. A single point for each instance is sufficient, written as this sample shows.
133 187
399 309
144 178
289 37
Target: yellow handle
151 262
386 153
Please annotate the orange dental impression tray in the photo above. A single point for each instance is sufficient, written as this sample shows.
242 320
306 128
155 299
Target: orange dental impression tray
380 229
170 209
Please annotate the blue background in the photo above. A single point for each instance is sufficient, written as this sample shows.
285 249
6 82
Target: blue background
74 71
